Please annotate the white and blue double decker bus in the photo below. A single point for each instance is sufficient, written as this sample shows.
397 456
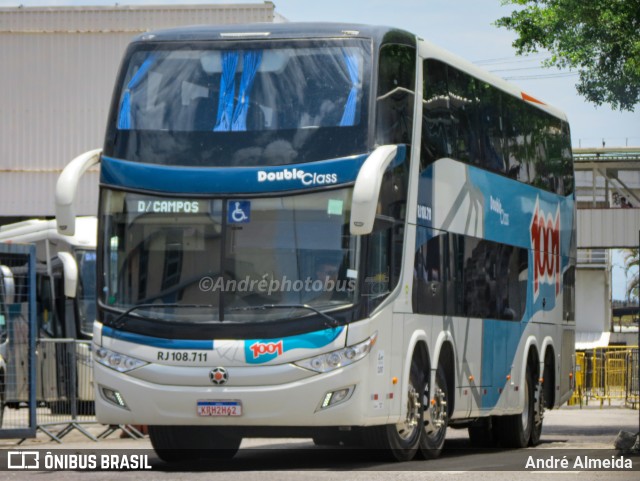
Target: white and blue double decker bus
332 231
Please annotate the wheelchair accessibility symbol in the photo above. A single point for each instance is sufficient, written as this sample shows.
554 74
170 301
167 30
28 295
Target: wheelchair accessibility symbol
238 211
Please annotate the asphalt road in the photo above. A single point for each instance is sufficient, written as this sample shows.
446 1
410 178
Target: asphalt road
587 434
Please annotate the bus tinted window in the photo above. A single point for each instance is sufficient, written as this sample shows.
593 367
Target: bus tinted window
241 104
396 91
428 285
464 276
438 129
471 121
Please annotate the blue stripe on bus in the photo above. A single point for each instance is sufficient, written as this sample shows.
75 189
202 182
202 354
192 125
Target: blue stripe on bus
229 180
310 340
508 206
157 341
499 346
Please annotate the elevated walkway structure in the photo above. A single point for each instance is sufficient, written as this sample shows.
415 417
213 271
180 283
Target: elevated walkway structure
608 193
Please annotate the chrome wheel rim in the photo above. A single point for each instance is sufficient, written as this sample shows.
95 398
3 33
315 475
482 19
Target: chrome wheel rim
407 427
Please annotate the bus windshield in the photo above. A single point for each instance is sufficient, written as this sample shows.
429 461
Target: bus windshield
200 261
241 104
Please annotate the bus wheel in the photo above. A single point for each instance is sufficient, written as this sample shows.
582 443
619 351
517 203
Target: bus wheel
175 444
538 415
435 416
515 431
401 441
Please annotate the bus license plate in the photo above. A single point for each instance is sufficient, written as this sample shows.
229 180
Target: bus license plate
219 408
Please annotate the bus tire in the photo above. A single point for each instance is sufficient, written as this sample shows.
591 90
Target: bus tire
175 444
436 416
401 441
515 431
538 414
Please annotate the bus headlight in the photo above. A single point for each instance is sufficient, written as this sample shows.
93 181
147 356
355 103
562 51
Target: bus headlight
117 361
340 358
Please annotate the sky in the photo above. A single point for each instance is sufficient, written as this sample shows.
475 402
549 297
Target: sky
464 27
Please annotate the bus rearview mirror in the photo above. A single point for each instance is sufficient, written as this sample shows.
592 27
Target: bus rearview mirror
67 187
366 190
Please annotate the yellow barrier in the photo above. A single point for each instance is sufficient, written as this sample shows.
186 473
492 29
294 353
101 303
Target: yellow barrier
605 375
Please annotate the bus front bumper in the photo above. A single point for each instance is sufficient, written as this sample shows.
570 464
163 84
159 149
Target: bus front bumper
123 399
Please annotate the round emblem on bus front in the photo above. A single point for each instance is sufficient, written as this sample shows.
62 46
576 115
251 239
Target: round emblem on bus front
219 375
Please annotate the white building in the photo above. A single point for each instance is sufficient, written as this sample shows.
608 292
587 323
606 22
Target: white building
58 69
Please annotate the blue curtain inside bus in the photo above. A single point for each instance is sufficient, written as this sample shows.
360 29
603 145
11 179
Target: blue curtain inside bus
227 91
124 117
348 117
250 63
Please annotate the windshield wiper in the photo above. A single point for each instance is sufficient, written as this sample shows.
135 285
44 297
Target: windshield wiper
121 318
329 320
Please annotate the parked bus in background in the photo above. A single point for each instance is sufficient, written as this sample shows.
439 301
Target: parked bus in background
332 231
65 311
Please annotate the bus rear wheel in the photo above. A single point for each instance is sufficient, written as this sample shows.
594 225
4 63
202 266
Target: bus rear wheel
435 419
515 431
538 415
175 444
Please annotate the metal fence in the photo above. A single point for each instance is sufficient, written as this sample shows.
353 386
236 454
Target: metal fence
64 392
46 384
606 375
64 384
17 341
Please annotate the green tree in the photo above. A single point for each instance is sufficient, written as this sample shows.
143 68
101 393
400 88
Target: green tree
631 261
598 38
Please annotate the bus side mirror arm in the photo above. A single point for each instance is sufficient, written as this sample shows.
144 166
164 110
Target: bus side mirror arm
366 190
67 187
70 267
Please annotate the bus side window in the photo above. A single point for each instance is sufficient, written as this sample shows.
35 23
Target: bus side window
464 110
491 127
428 274
396 88
516 139
438 129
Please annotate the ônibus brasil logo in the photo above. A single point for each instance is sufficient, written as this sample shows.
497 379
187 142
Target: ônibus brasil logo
545 242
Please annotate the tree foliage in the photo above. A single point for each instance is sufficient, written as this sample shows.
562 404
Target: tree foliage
598 38
631 261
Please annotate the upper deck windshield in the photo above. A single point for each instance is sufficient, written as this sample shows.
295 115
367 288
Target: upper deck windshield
241 103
